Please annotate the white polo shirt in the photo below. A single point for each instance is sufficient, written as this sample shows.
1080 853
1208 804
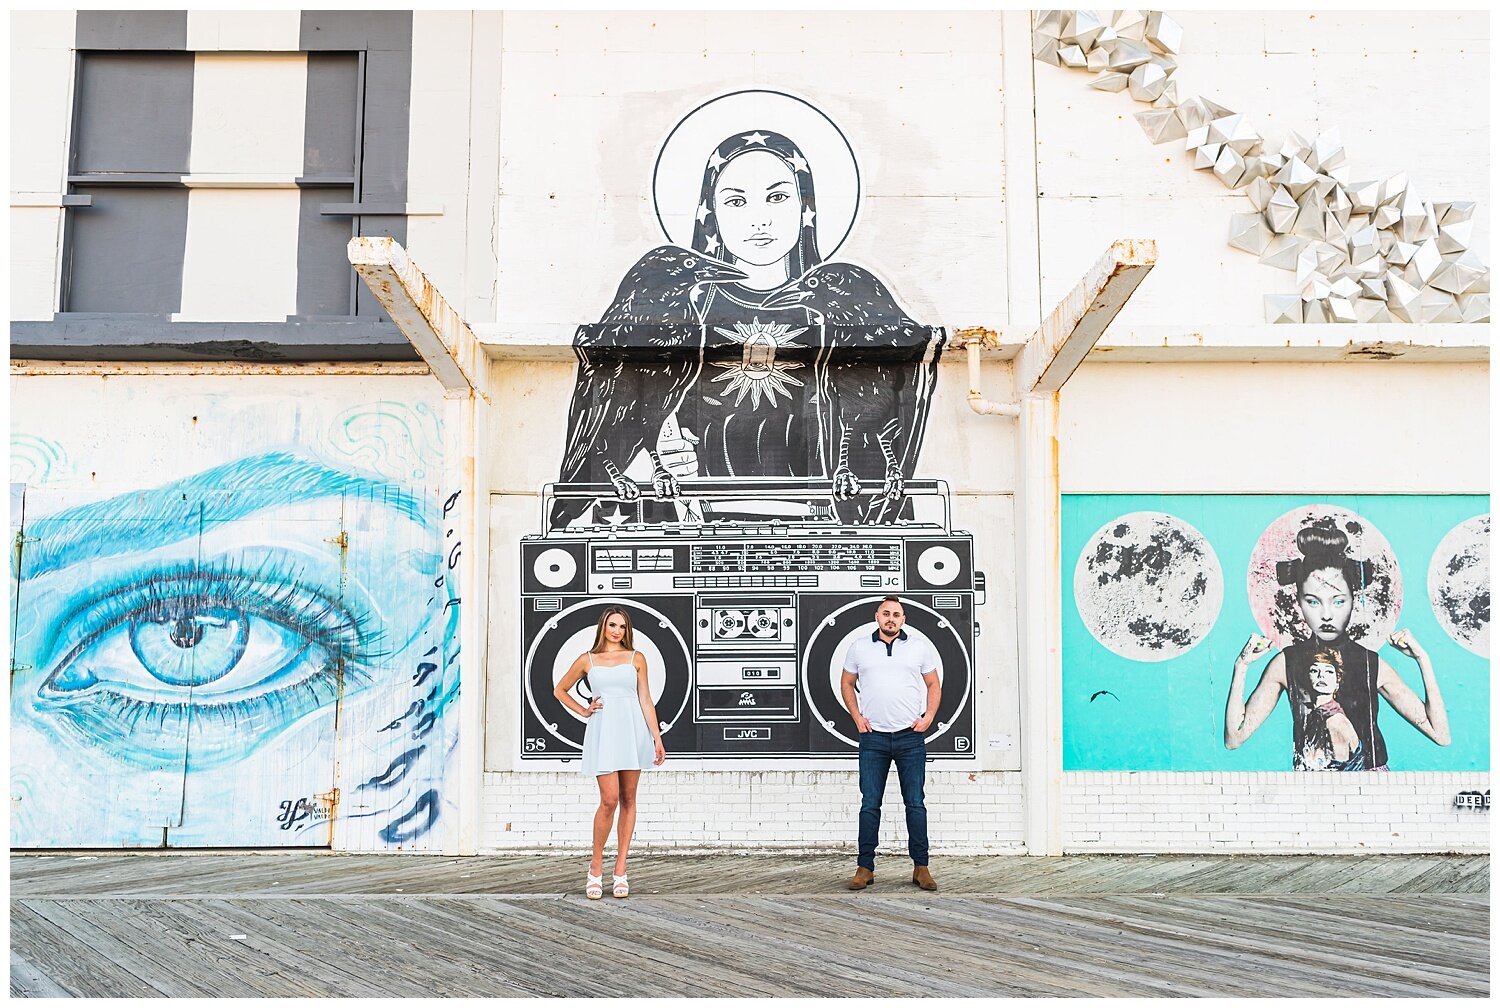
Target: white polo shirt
892 694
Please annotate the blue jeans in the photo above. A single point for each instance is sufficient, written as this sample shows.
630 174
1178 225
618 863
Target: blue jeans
877 751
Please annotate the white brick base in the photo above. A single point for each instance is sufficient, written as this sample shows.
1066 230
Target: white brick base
735 810
980 813
1281 813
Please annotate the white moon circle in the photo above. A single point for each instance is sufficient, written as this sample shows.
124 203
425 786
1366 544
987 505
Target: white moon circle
938 565
678 180
1458 583
1148 586
554 568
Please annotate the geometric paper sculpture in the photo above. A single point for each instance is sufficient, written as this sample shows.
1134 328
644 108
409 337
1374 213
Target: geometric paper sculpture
1248 231
1161 125
1362 251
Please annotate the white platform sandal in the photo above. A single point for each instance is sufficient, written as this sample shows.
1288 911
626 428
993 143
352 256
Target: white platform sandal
622 886
594 887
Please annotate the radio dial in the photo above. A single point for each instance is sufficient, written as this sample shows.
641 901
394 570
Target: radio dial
939 565
554 568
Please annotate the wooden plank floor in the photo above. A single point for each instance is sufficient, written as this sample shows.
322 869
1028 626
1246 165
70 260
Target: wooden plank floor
308 924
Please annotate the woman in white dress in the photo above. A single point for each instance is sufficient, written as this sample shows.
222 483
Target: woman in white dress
621 739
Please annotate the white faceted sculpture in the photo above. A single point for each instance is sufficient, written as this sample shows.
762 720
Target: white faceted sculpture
1362 251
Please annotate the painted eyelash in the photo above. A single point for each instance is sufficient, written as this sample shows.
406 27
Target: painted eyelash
271 590
321 688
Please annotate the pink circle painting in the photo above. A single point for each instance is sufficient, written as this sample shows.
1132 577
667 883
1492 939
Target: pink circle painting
1376 604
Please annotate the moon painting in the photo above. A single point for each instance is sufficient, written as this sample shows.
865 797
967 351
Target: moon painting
1458 582
1377 605
1148 586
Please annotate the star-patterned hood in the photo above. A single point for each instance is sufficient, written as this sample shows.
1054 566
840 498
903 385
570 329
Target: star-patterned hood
706 231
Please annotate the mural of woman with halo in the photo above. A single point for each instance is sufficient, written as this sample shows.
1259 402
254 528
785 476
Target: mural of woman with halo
742 351
1332 682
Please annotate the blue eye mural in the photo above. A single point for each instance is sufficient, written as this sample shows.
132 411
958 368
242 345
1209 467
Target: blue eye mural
231 656
260 653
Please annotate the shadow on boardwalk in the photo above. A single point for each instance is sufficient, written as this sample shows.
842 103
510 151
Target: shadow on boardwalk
290 924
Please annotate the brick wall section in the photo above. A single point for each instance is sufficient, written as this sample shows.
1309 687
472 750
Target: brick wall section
731 810
1273 813
1282 813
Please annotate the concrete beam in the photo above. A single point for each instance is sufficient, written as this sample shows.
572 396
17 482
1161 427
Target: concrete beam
420 311
445 341
1067 335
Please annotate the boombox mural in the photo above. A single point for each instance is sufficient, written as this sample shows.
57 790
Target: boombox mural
739 465
1276 633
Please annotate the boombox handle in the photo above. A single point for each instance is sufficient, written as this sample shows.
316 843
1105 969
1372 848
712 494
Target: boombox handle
747 488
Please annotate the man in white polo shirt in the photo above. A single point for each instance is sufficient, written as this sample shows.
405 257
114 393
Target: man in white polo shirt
890 685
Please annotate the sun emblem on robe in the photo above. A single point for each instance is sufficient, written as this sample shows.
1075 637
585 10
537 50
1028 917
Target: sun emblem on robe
758 372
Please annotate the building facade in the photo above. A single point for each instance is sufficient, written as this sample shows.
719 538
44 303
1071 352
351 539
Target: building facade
288 575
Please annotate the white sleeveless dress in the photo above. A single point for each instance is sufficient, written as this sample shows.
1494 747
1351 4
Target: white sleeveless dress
616 736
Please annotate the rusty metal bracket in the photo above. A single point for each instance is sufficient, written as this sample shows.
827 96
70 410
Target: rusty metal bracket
984 339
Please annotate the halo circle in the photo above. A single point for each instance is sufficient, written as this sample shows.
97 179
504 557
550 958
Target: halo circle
677 179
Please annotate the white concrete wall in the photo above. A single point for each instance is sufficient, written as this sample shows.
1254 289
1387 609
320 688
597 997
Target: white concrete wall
1166 427
533 140
1232 428
578 148
453 167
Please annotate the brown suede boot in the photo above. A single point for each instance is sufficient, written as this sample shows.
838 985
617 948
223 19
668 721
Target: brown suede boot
862 877
922 877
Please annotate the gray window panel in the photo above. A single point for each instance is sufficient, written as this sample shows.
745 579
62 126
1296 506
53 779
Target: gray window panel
124 338
125 251
387 126
104 29
134 112
325 280
324 30
332 107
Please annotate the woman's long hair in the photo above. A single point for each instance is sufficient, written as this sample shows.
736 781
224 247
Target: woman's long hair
1317 738
1302 677
804 256
628 641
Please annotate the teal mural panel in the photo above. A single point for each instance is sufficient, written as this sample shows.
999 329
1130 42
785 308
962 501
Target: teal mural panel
1162 592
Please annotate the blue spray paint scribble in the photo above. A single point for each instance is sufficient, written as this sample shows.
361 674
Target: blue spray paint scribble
397 771
414 822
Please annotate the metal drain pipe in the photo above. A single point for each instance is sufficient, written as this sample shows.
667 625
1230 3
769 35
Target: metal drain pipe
974 340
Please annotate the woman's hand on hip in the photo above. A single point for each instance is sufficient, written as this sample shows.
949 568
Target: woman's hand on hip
595 706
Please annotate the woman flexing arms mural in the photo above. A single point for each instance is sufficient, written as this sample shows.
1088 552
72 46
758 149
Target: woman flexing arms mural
1331 681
